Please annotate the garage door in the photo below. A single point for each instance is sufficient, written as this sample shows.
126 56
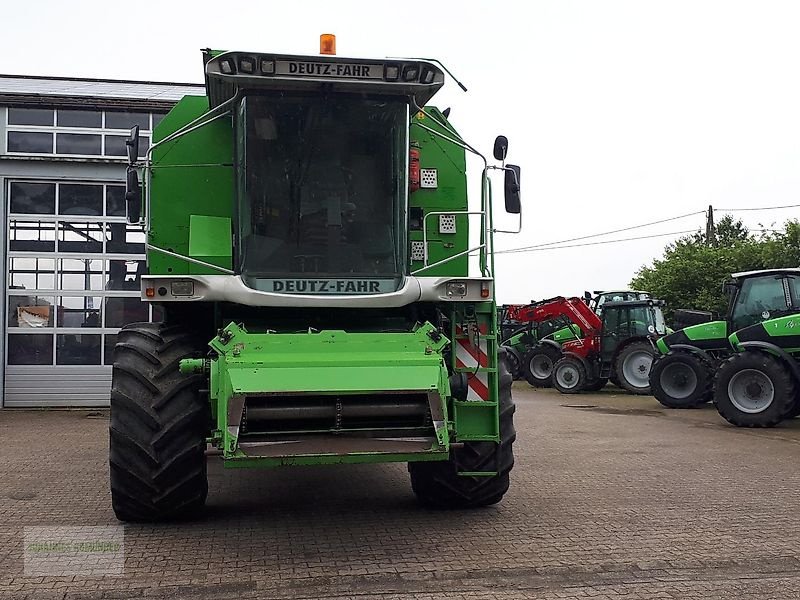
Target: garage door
73 280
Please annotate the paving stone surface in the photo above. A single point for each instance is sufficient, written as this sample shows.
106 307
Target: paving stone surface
612 497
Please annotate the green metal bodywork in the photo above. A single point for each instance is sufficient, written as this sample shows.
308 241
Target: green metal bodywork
784 332
191 187
707 331
191 211
449 195
711 335
565 334
334 363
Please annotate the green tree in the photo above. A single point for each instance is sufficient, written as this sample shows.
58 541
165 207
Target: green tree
691 272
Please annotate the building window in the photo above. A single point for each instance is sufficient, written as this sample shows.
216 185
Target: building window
30 116
80 118
30 142
76 133
74 272
78 143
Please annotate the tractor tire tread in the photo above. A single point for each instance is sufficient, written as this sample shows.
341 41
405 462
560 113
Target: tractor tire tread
438 485
158 426
783 382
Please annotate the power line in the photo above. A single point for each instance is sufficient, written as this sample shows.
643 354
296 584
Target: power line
594 235
632 227
759 208
631 239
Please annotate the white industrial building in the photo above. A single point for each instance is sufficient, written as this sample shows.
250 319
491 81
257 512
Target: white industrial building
72 264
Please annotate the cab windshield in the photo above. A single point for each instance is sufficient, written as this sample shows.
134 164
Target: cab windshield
322 186
632 321
758 298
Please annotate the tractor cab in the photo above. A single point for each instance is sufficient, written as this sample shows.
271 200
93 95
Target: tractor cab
756 296
628 321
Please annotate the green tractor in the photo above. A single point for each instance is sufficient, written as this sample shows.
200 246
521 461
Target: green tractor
683 374
308 237
758 386
533 335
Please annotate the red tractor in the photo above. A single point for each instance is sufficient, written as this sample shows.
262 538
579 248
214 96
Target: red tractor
618 346
567 318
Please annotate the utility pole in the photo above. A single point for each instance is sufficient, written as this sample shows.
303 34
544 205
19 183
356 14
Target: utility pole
710 226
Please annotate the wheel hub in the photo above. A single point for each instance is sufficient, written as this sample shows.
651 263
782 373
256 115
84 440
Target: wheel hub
636 368
678 380
751 391
567 376
541 366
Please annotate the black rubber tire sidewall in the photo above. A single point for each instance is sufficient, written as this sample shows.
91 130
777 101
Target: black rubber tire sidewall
554 354
702 370
438 485
783 383
578 364
158 426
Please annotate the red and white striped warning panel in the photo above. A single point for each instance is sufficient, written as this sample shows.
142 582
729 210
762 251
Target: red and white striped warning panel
473 359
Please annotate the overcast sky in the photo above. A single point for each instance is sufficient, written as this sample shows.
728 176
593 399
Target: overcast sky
620 112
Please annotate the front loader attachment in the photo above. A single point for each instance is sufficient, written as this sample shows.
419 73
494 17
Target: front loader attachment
327 397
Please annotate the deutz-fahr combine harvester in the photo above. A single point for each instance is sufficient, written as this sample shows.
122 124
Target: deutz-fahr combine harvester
308 235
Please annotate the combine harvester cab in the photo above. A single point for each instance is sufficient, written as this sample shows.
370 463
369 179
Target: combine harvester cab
309 239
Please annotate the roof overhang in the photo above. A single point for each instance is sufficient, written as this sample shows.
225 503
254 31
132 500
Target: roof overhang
634 303
229 73
749 274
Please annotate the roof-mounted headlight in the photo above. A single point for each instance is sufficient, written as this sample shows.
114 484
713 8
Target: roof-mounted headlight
391 72
410 73
247 65
267 67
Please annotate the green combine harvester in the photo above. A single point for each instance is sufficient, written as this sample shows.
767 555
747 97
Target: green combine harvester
683 375
309 239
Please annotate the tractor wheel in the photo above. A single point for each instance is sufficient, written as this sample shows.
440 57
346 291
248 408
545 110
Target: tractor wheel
596 385
158 428
537 365
569 375
794 411
632 367
438 484
513 362
754 389
681 380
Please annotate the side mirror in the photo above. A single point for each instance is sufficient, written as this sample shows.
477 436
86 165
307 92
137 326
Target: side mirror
500 147
133 197
512 189
729 287
587 297
132 144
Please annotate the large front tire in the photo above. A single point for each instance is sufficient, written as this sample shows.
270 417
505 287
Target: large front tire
632 367
513 362
569 375
439 485
537 365
158 427
754 389
681 380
